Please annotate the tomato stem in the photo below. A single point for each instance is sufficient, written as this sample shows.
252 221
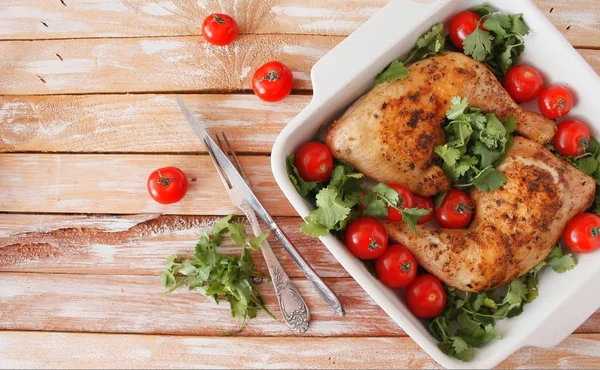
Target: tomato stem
162 180
218 19
373 245
406 266
272 76
462 208
595 232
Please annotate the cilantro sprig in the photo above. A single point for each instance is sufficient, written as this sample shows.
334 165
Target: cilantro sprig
475 145
335 202
381 197
502 41
429 44
216 275
468 320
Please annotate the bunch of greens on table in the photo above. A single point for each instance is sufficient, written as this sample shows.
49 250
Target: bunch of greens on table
216 275
498 45
337 203
468 321
476 144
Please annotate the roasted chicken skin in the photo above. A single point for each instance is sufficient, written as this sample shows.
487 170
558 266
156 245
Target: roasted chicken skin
390 133
515 226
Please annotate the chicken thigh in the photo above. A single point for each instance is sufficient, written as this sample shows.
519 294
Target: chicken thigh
515 226
391 132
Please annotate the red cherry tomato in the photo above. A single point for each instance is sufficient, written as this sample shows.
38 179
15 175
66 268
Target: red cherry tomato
406 200
426 296
219 29
523 83
456 210
462 25
314 162
582 234
167 185
396 267
556 101
366 238
572 138
424 203
273 81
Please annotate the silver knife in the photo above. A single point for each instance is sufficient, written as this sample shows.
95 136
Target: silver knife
322 289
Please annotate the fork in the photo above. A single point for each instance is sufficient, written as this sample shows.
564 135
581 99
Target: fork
293 308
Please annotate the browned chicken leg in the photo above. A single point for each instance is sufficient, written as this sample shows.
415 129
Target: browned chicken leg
515 226
390 133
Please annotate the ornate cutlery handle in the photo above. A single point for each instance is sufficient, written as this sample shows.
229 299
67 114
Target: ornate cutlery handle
294 309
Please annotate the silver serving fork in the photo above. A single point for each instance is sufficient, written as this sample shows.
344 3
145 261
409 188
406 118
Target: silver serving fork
295 312
243 191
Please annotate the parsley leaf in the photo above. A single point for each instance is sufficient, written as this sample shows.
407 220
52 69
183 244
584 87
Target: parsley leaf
429 44
489 179
559 261
476 143
393 72
381 196
478 44
334 203
303 187
501 43
587 165
468 320
218 276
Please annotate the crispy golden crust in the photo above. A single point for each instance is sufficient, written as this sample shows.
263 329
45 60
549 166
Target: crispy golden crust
390 133
515 227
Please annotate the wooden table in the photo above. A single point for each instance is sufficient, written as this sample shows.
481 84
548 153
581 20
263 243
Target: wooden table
87 112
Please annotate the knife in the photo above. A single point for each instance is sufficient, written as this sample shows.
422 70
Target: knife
234 176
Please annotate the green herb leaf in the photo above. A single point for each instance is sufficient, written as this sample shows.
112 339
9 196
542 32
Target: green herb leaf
395 71
559 261
428 45
478 44
303 187
518 25
458 107
257 241
489 179
439 199
330 211
587 165
412 215
216 275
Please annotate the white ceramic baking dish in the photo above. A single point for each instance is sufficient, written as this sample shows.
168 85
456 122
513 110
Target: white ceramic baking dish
345 73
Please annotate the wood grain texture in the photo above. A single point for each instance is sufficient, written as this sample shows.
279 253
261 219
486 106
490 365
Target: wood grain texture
139 123
137 304
22 19
161 64
153 64
131 245
116 184
76 351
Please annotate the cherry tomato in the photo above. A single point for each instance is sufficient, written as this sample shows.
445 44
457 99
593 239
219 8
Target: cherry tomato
582 234
406 200
167 185
572 138
424 203
426 296
556 101
523 83
273 81
366 238
462 25
396 267
456 210
314 162
219 29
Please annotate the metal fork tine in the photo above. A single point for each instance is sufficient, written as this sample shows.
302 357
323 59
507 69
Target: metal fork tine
220 171
235 158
